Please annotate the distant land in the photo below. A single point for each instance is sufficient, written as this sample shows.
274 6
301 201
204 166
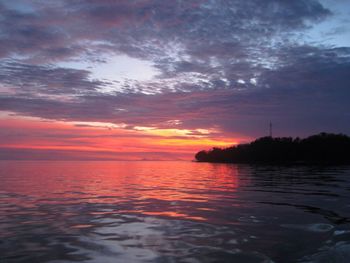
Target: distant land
323 148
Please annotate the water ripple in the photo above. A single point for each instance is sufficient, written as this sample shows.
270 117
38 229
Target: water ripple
172 212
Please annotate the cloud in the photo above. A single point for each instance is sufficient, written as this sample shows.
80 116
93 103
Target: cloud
231 65
46 79
52 31
309 90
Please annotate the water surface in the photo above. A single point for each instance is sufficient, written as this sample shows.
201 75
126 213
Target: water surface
173 212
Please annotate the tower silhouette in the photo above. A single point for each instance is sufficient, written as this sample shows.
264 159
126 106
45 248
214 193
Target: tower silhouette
270 134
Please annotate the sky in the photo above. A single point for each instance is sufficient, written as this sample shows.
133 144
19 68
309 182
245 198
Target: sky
161 80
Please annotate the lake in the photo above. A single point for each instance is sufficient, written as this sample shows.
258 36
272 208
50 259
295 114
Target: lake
60 211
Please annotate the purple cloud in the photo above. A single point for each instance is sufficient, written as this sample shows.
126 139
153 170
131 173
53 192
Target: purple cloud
234 65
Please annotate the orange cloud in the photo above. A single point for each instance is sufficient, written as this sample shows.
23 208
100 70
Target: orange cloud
113 140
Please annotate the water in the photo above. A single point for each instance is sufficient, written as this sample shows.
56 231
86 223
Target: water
172 212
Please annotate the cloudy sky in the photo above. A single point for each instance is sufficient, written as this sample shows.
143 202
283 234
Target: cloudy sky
163 79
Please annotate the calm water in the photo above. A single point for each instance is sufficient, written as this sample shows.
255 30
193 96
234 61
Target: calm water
172 212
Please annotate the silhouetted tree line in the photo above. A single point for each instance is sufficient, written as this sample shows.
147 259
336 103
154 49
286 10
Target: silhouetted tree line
323 148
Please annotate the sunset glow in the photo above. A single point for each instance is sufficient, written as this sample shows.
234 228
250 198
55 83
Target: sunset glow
146 80
138 131
104 140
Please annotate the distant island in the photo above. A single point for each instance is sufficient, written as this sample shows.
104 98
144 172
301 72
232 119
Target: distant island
323 148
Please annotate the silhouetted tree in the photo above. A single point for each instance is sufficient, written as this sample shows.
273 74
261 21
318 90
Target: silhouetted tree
323 148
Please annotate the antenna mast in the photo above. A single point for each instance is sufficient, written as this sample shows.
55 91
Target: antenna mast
270 129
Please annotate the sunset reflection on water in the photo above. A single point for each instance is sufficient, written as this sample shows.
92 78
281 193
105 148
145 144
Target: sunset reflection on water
59 212
171 183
